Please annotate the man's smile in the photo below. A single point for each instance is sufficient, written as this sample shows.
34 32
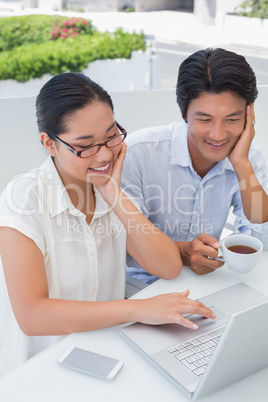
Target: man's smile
216 146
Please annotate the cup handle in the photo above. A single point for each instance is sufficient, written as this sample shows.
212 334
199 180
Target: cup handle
219 259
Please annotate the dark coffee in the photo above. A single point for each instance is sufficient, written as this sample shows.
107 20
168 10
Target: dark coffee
242 249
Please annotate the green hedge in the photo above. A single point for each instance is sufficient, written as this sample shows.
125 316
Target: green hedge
16 31
253 8
33 60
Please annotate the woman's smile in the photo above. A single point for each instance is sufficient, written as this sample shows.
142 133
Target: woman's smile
101 169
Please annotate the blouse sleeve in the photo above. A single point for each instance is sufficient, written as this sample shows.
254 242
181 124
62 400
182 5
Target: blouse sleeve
20 210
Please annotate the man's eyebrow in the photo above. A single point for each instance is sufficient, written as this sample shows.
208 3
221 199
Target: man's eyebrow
87 137
202 114
236 113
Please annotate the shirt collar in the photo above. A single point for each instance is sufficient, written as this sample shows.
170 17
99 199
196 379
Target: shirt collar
57 197
54 192
101 206
179 146
181 155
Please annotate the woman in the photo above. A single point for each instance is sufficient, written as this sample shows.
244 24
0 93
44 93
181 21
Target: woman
65 229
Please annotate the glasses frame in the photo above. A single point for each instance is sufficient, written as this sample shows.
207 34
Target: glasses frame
98 146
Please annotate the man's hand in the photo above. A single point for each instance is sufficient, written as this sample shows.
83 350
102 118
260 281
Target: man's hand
239 155
253 195
199 254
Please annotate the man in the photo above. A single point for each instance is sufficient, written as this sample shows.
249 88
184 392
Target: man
187 176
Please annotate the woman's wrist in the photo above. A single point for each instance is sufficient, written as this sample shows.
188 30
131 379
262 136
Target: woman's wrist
111 197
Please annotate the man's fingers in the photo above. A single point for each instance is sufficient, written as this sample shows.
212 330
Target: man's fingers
209 240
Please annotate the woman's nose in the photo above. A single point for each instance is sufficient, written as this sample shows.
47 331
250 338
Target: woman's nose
104 153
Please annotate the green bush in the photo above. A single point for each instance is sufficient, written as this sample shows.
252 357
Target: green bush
71 54
31 46
16 31
253 8
127 9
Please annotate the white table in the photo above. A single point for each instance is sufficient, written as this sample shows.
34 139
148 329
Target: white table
41 379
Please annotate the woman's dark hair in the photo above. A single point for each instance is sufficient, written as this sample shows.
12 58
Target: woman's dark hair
63 95
214 71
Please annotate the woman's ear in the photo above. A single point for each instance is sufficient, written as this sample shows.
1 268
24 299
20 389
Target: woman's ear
48 143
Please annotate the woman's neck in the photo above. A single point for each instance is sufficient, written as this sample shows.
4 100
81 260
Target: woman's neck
81 194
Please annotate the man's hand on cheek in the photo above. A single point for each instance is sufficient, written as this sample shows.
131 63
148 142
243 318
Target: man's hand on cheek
239 155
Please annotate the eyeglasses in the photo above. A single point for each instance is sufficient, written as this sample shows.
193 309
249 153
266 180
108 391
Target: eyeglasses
93 149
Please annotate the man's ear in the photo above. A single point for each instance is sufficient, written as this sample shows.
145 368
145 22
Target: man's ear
48 143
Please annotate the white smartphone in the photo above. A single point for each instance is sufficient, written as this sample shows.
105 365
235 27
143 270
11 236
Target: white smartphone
90 363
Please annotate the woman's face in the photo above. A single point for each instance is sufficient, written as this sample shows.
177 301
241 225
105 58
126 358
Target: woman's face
94 124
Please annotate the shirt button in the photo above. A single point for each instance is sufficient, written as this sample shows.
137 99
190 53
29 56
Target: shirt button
50 176
92 252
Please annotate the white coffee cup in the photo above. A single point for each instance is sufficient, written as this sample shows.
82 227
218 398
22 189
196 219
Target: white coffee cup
239 261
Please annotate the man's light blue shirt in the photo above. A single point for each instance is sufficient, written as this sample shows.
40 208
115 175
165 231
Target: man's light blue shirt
158 173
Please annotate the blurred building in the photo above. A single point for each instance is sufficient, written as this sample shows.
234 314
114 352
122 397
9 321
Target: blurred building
206 10
209 12
112 5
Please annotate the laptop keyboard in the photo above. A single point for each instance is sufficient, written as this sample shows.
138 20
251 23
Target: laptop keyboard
196 353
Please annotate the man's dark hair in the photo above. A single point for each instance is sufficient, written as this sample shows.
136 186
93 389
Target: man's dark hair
214 71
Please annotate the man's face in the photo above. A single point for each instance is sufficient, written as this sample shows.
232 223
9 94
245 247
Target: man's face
215 123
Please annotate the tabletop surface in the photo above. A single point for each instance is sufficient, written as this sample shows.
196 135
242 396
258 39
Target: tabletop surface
41 379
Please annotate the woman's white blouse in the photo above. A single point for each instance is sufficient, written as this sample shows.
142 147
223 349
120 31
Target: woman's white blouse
82 262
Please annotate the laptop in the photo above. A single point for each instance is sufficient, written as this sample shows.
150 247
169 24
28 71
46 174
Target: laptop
219 352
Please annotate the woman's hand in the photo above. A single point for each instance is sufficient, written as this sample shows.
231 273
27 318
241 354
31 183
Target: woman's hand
239 155
111 189
169 308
